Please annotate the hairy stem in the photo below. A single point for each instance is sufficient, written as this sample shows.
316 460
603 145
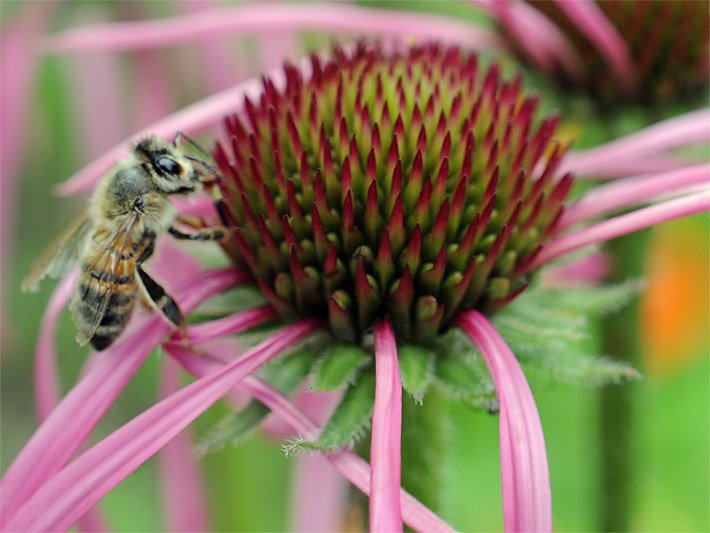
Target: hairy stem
423 435
617 427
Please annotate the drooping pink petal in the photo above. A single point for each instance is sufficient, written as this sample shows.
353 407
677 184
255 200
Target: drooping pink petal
96 99
68 425
353 467
191 119
624 224
318 495
218 62
654 141
199 206
228 325
67 495
591 269
385 511
635 167
275 428
539 37
275 48
170 252
591 21
527 502
271 18
93 522
19 38
318 492
153 93
625 193
21 34
184 500
46 387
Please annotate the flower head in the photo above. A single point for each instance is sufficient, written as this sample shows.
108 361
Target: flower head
406 185
648 51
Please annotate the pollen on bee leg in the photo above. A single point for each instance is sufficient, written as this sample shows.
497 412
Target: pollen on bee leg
204 231
191 221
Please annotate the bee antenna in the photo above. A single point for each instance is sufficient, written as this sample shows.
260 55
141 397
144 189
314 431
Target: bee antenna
193 142
210 169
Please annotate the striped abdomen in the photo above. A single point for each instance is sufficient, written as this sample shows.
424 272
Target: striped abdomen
106 292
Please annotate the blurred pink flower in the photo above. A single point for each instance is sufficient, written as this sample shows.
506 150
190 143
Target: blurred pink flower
19 54
618 51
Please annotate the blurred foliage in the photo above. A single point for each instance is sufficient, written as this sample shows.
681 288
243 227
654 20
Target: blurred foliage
248 484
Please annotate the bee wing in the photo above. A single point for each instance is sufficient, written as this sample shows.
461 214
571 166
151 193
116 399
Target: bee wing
59 255
115 246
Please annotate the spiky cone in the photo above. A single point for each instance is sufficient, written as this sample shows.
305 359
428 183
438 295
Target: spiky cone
405 185
667 44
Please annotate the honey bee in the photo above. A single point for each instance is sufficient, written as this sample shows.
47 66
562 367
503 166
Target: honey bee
116 234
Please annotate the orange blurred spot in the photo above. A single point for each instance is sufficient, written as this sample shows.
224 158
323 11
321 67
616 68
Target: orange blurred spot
675 307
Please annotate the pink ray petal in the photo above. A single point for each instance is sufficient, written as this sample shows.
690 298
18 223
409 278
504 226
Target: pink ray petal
354 468
624 224
93 522
184 498
82 483
19 38
591 269
199 206
318 496
685 130
385 511
527 502
218 61
272 18
537 35
319 493
96 99
592 22
169 253
228 325
191 119
625 193
153 92
275 48
622 168
46 386
521 31
75 416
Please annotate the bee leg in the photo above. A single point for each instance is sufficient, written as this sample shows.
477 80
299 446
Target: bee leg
192 221
214 233
161 300
199 223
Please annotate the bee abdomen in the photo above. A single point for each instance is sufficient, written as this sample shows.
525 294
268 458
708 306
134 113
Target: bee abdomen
89 301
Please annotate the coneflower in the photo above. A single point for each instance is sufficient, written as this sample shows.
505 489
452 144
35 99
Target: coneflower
383 198
405 186
619 51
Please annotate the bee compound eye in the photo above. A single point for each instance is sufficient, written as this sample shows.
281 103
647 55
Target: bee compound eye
168 165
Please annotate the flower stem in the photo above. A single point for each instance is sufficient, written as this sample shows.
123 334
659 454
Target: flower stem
620 340
424 431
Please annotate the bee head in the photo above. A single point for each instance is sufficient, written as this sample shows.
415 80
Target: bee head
172 171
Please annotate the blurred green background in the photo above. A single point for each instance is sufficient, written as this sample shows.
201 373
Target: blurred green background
248 486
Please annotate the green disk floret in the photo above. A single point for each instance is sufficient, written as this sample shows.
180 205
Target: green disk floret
406 185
